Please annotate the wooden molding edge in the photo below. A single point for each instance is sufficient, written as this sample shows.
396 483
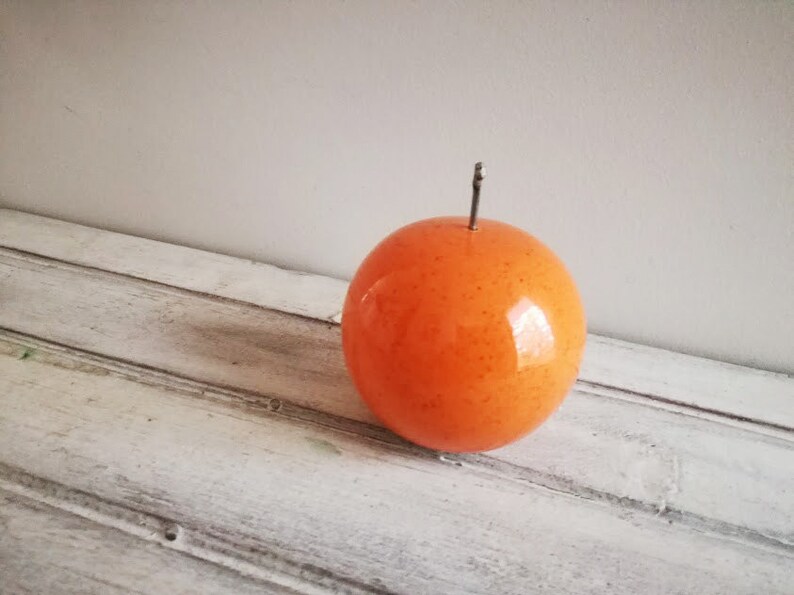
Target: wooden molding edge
666 378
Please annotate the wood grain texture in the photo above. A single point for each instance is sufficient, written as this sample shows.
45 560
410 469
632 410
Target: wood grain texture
670 378
148 389
295 292
45 549
600 445
326 504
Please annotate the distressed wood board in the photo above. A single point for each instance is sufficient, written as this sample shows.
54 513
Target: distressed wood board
177 421
669 377
47 549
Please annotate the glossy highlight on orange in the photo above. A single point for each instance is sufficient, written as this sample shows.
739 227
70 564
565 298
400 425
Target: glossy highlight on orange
462 340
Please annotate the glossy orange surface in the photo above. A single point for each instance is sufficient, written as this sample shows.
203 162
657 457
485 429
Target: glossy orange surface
462 340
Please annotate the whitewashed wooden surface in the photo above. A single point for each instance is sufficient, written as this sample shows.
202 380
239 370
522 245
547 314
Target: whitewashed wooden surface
167 424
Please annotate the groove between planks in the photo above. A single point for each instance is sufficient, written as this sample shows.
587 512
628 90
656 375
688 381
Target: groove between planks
269 569
261 404
711 386
605 389
764 460
44 549
688 408
333 501
637 452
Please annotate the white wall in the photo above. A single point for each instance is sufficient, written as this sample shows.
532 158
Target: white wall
650 144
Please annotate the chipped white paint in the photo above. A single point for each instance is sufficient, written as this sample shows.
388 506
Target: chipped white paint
71 543
234 278
707 384
149 376
626 448
373 515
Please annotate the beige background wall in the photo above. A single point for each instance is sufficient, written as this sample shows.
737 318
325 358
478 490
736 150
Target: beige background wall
650 144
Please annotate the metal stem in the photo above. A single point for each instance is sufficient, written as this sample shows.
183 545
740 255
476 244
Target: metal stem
476 183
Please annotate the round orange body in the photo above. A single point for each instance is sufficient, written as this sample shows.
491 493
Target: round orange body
462 340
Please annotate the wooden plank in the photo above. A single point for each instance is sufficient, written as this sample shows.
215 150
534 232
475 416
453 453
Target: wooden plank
262 284
373 515
596 446
45 549
707 385
662 375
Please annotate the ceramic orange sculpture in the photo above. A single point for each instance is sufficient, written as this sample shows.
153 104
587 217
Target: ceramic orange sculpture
462 335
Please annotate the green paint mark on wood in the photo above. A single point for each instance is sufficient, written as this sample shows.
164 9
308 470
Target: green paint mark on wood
28 353
324 446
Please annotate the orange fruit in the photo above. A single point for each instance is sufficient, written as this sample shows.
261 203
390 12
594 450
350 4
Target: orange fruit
462 340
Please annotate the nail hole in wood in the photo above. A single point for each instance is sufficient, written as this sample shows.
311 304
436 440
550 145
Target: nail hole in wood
172 532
